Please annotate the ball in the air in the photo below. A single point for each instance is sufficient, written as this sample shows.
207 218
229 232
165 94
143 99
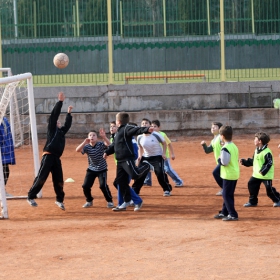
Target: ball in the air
61 60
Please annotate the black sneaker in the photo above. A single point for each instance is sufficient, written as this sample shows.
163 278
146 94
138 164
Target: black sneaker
230 218
219 216
249 204
32 202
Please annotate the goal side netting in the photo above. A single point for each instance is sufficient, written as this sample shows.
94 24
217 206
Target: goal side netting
18 138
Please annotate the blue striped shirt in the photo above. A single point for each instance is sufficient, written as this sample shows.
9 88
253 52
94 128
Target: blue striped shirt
95 153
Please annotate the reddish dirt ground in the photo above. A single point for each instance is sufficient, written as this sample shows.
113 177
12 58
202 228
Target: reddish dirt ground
170 238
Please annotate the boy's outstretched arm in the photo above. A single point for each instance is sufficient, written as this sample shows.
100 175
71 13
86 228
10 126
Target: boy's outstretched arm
170 147
207 149
102 134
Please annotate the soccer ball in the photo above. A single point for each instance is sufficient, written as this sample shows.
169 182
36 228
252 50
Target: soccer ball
61 60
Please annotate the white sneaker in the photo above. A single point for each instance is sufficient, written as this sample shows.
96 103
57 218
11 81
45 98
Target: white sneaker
220 192
138 206
8 195
167 193
110 205
88 204
60 205
131 203
276 204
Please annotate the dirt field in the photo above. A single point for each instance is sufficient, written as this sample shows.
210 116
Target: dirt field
170 238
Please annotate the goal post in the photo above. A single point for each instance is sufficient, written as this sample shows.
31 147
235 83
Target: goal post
17 105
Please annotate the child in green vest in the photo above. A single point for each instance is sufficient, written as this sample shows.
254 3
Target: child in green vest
215 147
229 173
263 171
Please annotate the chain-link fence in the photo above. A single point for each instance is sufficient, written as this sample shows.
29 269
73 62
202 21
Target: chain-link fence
152 40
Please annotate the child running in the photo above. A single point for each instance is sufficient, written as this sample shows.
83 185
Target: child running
215 146
97 167
263 171
229 173
169 150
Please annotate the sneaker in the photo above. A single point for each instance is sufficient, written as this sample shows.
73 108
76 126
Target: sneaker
178 185
147 185
167 193
220 192
276 204
230 218
219 216
8 195
138 206
118 209
131 203
110 205
152 169
88 204
32 202
248 204
60 205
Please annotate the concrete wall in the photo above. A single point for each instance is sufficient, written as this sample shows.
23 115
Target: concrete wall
183 109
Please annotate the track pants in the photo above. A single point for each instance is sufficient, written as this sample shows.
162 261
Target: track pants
49 164
89 181
158 164
127 170
254 188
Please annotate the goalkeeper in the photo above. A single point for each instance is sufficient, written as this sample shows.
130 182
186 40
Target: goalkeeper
52 152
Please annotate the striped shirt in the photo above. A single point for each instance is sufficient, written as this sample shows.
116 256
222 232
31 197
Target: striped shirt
95 153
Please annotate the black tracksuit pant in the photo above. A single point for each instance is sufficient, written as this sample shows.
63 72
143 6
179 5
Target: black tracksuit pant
127 170
254 188
89 181
158 164
49 164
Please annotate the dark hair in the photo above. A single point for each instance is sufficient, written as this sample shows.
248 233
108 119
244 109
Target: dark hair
113 122
263 137
218 124
147 120
226 131
156 122
123 117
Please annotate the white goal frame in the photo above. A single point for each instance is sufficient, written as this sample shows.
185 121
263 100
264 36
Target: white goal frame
32 116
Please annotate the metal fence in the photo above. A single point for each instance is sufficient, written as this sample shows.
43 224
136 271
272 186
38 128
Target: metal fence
151 40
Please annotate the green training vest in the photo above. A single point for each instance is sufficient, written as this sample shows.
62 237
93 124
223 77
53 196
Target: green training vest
258 163
231 171
216 145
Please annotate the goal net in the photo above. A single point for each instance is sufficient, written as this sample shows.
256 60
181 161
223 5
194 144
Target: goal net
18 137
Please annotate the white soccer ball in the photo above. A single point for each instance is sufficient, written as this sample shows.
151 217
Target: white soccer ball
61 60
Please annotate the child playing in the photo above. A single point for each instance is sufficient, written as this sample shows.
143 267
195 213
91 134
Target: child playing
123 148
52 152
215 146
263 171
167 166
97 167
229 173
150 150
135 198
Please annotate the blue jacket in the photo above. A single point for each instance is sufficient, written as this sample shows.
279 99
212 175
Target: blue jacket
6 143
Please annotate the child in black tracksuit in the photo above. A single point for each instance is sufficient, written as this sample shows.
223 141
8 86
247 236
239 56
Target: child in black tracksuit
52 152
123 148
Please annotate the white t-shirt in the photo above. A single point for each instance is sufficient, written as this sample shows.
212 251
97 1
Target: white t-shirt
151 144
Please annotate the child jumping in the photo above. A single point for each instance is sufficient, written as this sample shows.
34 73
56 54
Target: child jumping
263 171
52 152
97 167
